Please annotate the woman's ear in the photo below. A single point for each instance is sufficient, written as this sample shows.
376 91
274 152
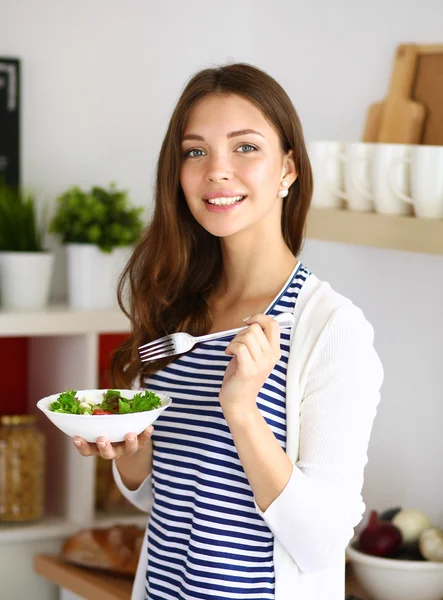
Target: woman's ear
289 172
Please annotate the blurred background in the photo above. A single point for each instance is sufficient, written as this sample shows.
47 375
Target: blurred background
98 83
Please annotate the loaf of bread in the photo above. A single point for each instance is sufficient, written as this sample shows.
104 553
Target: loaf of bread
115 548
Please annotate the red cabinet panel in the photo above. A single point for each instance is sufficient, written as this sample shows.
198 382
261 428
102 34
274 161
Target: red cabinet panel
14 375
108 343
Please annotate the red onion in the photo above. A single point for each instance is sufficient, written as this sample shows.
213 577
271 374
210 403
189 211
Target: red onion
380 538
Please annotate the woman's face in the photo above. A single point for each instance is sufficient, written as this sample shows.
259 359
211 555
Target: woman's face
233 166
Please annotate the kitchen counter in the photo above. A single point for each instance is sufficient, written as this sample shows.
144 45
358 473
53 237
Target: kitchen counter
100 585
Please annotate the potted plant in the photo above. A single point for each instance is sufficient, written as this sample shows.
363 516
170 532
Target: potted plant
25 265
99 228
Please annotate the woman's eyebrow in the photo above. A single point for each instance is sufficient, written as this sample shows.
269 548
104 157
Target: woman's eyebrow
231 134
243 132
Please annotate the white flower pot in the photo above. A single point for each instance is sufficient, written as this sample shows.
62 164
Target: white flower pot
93 276
25 279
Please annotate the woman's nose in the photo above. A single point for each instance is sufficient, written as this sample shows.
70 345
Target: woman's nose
218 168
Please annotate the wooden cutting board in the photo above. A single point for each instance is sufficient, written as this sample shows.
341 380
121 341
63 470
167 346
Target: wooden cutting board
398 119
428 90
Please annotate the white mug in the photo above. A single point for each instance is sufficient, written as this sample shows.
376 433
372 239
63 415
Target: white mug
358 190
390 178
327 169
426 164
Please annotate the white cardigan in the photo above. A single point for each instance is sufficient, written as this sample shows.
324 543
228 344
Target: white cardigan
333 389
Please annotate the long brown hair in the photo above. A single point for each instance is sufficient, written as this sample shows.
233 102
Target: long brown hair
177 262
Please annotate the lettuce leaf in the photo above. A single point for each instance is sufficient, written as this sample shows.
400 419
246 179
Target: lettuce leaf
112 401
140 402
67 403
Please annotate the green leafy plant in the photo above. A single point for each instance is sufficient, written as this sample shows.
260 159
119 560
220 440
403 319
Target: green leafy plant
101 217
19 227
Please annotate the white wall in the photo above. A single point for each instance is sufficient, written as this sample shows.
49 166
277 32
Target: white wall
99 82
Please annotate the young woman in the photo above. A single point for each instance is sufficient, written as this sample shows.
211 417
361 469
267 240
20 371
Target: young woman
253 476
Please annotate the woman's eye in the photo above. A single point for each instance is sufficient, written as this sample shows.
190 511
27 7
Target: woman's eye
194 153
246 148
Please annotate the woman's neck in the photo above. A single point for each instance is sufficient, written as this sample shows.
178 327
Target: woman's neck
253 269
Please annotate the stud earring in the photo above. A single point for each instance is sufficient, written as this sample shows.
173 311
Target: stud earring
283 193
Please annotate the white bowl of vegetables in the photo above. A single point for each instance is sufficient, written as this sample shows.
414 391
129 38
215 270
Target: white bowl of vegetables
399 555
114 413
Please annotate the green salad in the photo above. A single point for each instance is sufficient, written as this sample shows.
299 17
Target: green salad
112 403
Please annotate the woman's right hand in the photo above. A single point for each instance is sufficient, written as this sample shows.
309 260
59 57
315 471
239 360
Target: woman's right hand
133 457
103 447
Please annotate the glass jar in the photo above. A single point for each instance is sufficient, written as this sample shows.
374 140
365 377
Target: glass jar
22 469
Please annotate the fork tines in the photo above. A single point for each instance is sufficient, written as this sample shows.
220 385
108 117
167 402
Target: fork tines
156 349
154 342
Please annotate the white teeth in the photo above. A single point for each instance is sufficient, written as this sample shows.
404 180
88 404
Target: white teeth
225 201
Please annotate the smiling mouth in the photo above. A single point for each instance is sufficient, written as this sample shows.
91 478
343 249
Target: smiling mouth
225 201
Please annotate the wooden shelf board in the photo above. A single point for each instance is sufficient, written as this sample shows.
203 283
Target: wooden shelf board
61 320
86 583
393 232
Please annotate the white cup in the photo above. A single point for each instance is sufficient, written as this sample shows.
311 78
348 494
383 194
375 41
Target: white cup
390 178
327 168
426 172
358 189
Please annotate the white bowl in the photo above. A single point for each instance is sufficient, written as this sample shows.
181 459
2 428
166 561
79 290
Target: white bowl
394 579
114 427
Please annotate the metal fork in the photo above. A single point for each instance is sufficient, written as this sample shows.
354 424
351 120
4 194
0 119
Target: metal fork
178 343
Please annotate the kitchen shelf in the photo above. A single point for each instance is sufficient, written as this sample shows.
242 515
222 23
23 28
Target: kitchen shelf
90 584
393 232
62 348
50 527
61 320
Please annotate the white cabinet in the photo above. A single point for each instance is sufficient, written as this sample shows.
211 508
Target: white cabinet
63 352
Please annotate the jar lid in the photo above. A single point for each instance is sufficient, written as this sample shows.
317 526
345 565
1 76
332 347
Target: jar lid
18 419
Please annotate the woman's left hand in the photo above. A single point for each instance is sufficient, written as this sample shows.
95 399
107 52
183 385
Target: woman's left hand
255 352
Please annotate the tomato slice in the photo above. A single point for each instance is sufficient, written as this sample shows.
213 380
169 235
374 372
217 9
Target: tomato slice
100 411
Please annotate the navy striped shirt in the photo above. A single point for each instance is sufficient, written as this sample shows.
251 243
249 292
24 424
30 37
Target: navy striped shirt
205 536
